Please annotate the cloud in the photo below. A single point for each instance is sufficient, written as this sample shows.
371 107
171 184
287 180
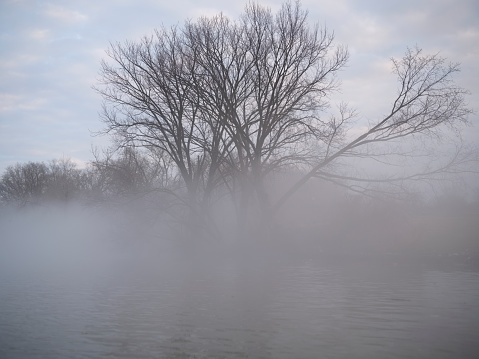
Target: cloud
469 34
10 102
39 34
192 9
17 61
65 15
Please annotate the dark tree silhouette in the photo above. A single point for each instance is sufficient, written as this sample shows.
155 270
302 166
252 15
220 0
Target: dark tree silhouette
24 184
35 182
231 103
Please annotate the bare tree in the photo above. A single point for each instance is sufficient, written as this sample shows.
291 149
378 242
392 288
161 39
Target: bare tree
228 101
128 171
233 102
24 183
64 180
36 182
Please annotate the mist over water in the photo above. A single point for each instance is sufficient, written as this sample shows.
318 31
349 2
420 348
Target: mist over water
87 282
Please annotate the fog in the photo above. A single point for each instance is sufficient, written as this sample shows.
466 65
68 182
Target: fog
74 239
344 276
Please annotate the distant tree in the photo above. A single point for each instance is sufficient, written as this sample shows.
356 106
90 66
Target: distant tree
35 182
128 171
231 103
24 183
64 180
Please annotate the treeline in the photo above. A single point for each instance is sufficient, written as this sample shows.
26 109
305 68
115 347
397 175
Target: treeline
112 176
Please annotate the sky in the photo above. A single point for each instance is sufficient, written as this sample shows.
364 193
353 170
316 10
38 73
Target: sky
50 53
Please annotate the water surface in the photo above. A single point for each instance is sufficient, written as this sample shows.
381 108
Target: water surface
168 303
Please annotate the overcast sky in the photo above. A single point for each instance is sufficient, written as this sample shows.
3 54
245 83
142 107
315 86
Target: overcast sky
50 54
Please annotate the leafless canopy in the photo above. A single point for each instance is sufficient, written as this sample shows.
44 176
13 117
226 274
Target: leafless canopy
230 102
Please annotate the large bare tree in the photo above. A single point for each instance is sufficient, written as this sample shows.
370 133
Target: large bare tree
232 102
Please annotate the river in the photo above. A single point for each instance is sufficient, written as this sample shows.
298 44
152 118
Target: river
69 302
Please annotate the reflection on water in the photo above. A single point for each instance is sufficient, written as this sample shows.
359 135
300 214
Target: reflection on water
180 307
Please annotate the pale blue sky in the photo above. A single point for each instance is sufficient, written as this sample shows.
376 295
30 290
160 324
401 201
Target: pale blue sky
50 55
